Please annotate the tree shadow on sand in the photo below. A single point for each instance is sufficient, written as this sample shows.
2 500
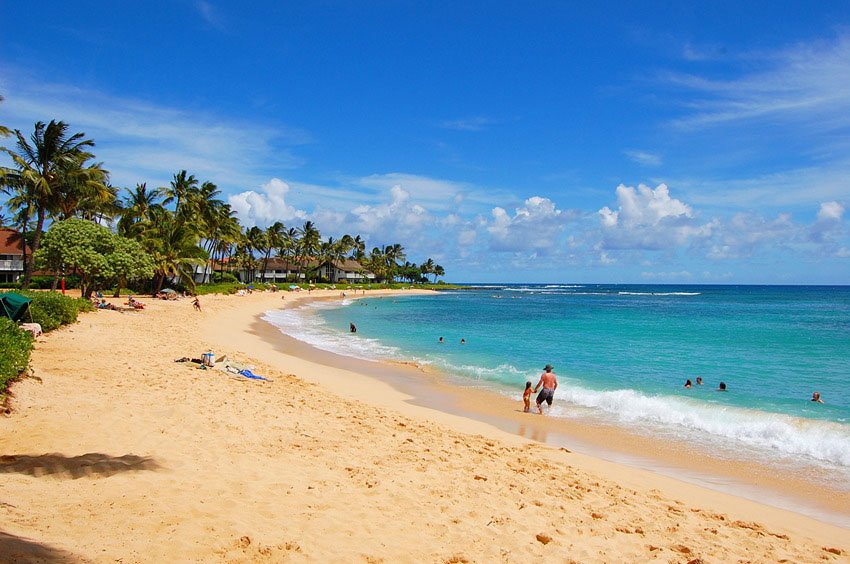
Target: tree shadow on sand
21 550
91 464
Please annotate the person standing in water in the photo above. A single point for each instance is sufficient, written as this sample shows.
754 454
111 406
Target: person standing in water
549 382
526 397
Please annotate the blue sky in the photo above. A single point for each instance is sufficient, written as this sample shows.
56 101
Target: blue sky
662 142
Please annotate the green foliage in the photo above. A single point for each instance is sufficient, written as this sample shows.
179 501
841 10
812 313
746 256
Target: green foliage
52 309
220 288
225 277
16 346
99 255
46 282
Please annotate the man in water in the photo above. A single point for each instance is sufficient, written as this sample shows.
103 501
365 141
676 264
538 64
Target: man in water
549 382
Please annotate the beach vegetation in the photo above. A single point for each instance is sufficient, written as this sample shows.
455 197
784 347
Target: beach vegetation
50 169
190 234
96 254
16 345
52 309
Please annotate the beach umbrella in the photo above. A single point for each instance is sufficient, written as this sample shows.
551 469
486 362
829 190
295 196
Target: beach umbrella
168 291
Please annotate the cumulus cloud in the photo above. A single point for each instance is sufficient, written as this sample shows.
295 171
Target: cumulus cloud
533 226
266 206
399 218
828 226
746 232
649 218
830 211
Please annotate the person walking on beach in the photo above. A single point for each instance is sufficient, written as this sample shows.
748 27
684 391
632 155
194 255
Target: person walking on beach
196 303
549 382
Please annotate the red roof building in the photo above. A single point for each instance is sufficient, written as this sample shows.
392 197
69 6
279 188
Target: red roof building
11 255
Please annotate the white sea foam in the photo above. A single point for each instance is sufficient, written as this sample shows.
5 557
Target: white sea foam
815 440
659 293
301 323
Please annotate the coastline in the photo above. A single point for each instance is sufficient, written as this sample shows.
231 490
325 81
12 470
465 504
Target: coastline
807 493
320 463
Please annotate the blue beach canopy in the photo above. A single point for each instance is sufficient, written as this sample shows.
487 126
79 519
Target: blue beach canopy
14 305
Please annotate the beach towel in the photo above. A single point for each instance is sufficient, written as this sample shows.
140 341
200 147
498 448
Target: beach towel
248 374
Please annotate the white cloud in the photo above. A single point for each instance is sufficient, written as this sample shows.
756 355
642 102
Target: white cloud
643 158
745 233
830 211
265 207
533 226
142 142
400 219
649 219
808 84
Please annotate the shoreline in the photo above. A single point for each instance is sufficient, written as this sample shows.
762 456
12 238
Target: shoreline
319 463
805 492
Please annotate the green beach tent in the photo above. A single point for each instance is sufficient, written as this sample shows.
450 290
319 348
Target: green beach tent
14 305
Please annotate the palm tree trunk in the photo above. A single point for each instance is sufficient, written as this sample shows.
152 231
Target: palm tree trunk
36 241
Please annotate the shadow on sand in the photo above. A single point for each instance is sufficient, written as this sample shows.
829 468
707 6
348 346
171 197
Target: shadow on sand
20 550
91 464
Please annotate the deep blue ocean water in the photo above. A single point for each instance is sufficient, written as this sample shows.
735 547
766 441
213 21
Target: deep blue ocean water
623 352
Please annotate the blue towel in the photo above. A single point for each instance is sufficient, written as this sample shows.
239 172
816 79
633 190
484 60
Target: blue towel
248 374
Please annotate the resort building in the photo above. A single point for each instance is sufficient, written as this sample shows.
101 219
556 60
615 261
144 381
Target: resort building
11 255
279 270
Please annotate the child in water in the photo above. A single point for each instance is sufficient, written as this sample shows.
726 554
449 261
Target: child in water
526 397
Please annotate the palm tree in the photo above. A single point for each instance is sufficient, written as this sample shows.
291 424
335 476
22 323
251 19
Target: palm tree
174 248
139 205
181 191
358 249
274 240
308 244
85 191
255 241
438 271
41 167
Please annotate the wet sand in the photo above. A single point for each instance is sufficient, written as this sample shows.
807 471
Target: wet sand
805 491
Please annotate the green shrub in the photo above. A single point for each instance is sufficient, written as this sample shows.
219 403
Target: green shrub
52 309
45 282
16 346
225 277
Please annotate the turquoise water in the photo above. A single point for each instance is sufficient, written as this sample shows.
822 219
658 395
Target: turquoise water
623 353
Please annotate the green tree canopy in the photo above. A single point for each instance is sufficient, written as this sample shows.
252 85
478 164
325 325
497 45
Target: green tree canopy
96 253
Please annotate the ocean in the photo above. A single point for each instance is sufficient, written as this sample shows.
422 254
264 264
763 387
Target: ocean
622 354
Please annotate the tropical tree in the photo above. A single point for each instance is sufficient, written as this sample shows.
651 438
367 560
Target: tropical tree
173 245
274 235
41 167
140 205
308 244
94 252
181 192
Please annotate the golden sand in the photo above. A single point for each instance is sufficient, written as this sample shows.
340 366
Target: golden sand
113 452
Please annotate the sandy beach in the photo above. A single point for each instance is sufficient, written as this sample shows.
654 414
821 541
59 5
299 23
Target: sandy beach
114 452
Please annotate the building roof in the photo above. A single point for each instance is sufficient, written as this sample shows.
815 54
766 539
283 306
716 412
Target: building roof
11 242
